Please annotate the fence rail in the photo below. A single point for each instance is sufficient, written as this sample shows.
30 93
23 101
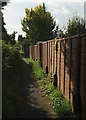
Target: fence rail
65 58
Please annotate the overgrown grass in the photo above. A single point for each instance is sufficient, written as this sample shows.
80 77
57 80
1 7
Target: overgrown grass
61 106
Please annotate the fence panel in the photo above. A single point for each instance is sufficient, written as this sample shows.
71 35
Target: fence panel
62 66
83 77
54 58
45 56
58 64
48 57
74 69
67 68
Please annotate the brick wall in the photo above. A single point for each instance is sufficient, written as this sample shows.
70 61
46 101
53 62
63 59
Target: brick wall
69 60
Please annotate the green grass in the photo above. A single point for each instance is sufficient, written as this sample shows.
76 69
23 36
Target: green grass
61 106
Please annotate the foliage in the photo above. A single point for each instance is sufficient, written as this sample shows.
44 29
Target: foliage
8 38
5 36
24 42
59 32
10 56
12 38
61 106
37 70
75 26
38 24
18 46
20 38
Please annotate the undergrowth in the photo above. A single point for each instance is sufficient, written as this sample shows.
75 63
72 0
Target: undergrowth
61 106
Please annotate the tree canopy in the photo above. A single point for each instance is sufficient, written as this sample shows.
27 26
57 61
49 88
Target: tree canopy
38 24
8 38
76 26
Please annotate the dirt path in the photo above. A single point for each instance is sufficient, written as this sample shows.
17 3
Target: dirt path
26 99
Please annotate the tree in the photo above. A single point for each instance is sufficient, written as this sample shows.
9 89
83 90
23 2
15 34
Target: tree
75 26
20 38
12 38
38 24
5 36
58 32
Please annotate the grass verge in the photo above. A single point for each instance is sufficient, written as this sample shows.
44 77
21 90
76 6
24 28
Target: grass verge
61 106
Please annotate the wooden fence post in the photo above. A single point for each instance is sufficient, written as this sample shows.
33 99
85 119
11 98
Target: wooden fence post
55 75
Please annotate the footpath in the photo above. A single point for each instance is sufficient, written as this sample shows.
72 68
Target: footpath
26 98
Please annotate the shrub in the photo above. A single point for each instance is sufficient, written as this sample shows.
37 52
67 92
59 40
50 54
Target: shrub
10 56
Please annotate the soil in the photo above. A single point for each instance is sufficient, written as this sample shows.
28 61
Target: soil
23 96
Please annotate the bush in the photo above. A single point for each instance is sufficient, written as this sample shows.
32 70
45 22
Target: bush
10 56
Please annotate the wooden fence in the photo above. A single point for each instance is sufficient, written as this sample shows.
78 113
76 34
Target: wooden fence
66 59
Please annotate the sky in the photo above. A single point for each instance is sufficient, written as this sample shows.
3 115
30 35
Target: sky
61 12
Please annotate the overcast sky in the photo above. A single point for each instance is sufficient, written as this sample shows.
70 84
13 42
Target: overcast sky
61 11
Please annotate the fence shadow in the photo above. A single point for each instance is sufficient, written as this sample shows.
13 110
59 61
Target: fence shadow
18 98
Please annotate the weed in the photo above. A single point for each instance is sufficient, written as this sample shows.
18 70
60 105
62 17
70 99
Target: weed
61 106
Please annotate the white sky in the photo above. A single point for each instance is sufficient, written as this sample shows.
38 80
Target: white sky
61 11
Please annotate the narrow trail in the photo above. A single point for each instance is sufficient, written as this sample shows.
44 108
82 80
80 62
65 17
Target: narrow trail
27 99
